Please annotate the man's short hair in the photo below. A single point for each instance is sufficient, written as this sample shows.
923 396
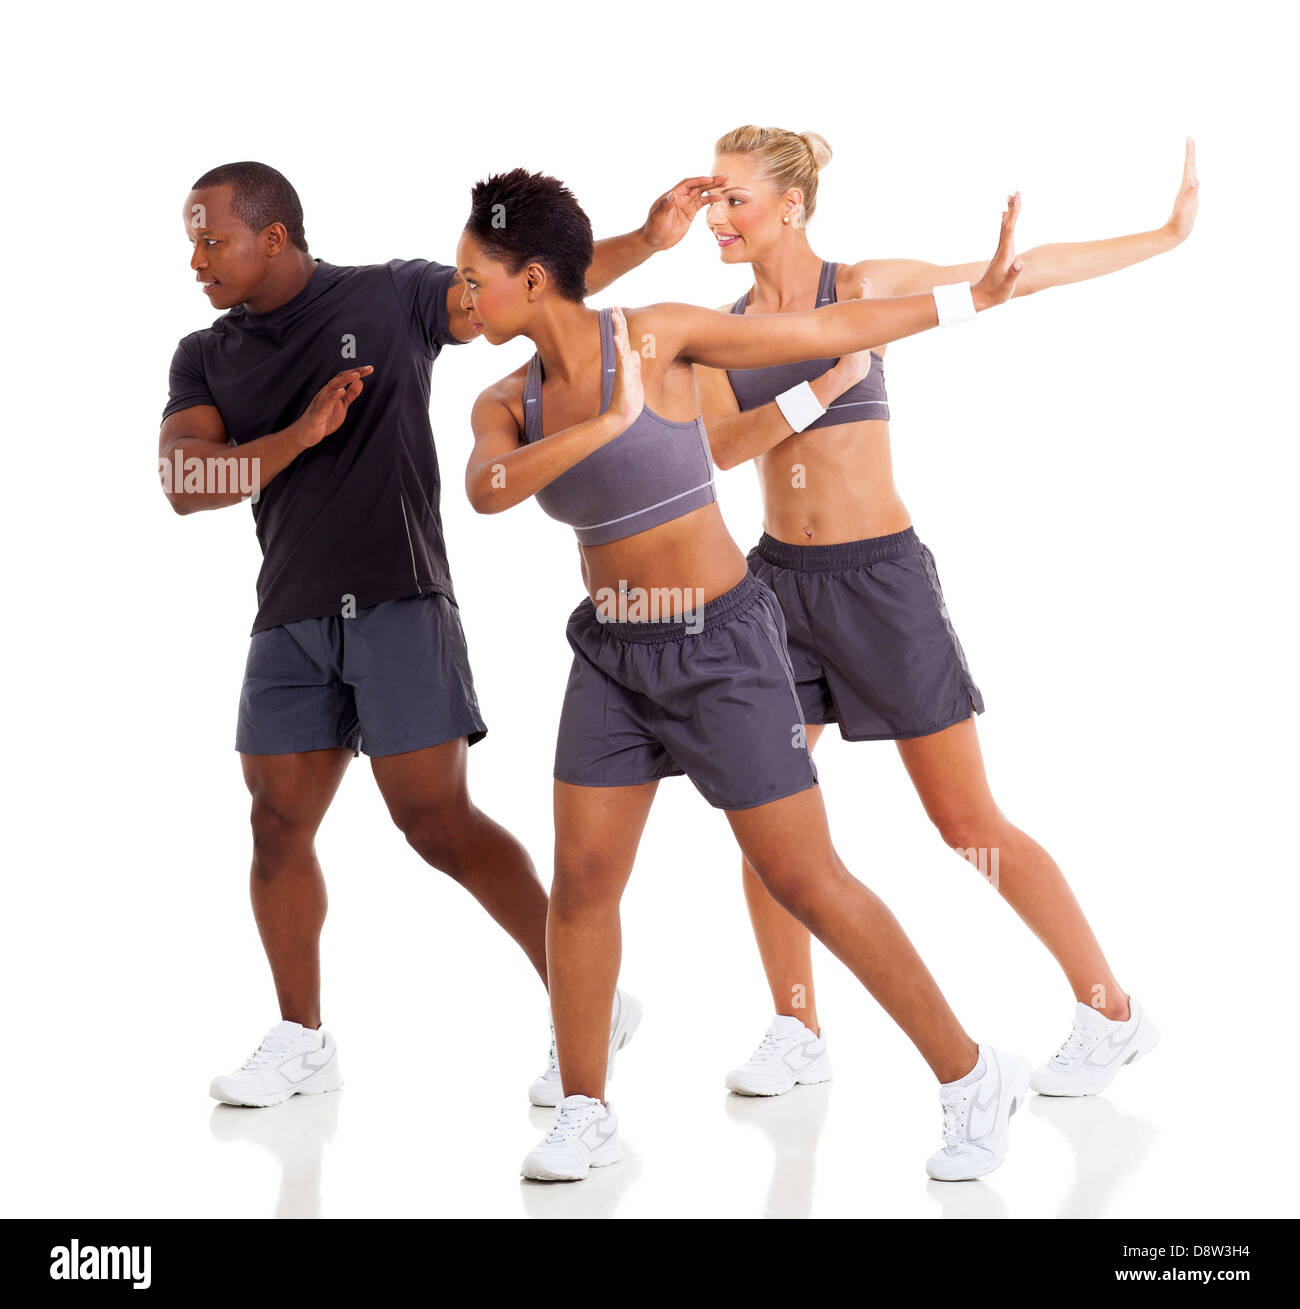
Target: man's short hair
260 196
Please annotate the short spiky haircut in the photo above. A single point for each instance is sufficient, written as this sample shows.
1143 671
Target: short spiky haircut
520 217
260 196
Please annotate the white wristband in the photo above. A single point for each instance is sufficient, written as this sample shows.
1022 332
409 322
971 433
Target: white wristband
799 406
954 303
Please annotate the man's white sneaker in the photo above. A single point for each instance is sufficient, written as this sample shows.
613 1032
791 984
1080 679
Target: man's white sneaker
624 1019
583 1136
291 1060
976 1116
1095 1051
789 1054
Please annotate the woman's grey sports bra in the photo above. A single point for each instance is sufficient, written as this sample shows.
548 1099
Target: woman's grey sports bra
759 386
653 472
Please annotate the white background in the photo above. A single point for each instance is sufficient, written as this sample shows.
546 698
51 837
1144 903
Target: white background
1105 474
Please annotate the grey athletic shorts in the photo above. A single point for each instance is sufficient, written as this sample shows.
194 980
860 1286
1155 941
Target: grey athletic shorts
716 702
391 679
869 636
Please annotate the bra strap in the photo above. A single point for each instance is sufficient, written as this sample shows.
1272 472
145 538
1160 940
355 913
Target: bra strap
826 286
533 400
608 358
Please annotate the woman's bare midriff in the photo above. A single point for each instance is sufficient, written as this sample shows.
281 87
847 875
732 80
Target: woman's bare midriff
829 486
669 570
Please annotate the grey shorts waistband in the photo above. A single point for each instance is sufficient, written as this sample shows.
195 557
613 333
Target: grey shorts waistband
847 554
714 614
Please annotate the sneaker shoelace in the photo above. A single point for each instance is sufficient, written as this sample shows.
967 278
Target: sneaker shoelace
568 1122
270 1051
954 1122
769 1049
1076 1045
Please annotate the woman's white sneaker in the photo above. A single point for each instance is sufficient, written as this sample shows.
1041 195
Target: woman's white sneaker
583 1136
291 1060
789 1054
1095 1051
977 1113
624 1019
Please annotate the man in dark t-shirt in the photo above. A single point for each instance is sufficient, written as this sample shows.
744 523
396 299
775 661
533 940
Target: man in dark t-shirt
310 396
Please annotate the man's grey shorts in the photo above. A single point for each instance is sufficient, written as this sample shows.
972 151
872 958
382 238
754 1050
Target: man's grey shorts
712 697
395 677
869 636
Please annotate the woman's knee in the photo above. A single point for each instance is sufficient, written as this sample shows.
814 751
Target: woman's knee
585 878
797 889
969 829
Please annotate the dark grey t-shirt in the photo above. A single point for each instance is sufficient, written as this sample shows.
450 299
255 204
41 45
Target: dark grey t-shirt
357 515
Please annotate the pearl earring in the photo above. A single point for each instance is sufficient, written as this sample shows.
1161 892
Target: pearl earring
785 218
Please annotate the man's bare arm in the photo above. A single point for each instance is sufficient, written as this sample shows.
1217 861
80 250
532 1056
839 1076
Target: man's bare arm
198 433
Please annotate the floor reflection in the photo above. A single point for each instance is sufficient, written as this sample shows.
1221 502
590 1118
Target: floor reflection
792 1124
975 1199
1107 1145
294 1134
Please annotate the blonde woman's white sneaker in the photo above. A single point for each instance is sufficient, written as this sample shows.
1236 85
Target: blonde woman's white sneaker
790 1054
291 1060
624 1019
1096 1049
583 1136
977 1113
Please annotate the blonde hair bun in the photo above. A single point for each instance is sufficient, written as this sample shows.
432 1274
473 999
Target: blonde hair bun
817 147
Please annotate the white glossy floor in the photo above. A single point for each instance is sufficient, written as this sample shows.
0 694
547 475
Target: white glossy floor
400 1140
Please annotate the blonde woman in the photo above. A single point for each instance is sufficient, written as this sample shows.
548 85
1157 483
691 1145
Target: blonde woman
869 634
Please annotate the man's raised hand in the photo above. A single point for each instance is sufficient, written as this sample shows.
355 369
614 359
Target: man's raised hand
329 406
